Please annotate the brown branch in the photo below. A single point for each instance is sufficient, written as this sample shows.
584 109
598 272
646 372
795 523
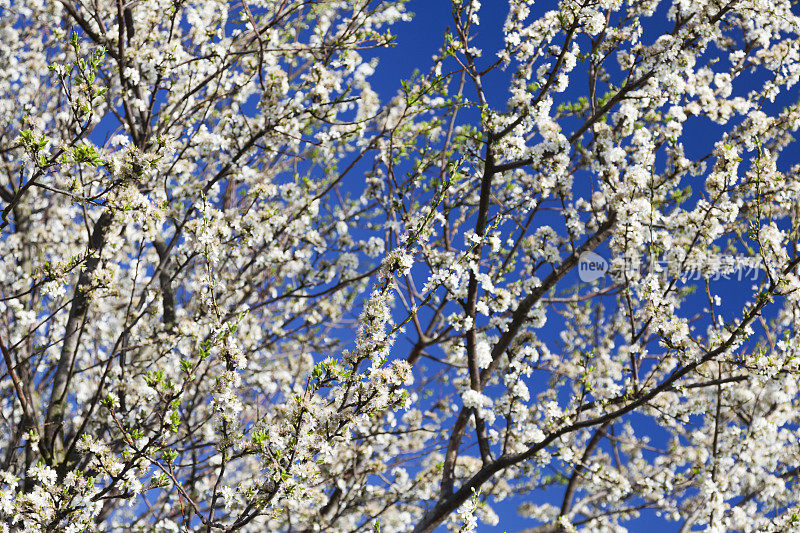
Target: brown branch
77 315
28 417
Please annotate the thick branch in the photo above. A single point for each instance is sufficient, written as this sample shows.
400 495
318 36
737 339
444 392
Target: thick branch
77 314
519 317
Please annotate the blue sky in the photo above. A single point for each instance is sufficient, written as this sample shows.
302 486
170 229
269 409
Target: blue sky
420 39
417 41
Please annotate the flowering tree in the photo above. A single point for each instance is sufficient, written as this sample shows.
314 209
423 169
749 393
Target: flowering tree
238 293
